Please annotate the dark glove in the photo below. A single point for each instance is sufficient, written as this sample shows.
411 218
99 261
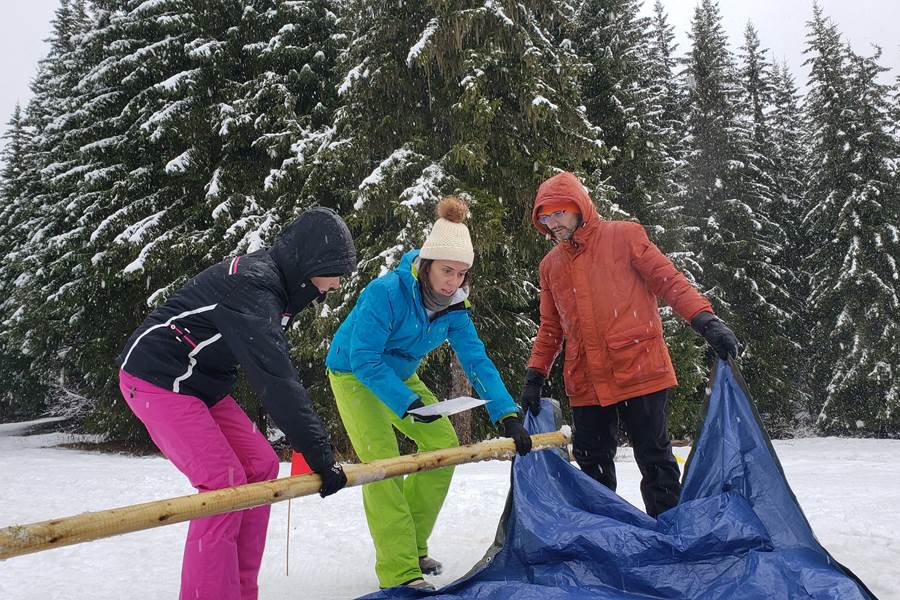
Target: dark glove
717 335
419 418
530 398
332 480
514 429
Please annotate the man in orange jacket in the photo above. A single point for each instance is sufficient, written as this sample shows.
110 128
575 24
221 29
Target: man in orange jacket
599 290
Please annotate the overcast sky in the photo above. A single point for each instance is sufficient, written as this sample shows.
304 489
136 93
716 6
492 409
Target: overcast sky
782 27
24 24
781 23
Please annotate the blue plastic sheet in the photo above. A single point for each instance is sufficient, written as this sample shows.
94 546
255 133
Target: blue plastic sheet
737 533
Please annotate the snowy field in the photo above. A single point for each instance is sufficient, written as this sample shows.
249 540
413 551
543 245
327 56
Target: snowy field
849 489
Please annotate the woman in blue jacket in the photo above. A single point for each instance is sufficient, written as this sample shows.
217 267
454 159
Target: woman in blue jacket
398 319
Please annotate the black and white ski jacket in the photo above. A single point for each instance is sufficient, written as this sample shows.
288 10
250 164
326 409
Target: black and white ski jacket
235 313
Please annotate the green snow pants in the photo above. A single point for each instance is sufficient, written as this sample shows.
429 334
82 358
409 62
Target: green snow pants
401 512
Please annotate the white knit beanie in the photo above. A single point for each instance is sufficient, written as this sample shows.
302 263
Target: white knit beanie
449 238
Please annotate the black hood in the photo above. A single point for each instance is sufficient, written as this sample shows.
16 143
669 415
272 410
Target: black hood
316 243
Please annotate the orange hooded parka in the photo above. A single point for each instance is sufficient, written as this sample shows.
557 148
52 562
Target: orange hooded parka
599 292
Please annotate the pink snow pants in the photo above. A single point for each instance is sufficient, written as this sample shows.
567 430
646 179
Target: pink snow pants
215 448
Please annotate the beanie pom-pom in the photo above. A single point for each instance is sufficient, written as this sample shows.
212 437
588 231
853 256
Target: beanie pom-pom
453 209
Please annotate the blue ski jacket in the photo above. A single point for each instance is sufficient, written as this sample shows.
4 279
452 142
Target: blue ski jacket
388 333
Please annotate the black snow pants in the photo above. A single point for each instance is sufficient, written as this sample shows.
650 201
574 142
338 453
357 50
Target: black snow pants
646 423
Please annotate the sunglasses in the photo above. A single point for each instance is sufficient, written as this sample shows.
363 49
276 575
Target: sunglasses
556 214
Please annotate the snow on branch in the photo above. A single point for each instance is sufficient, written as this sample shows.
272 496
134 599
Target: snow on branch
360 71
104 143
172 83
179 164
494 8
541 101
419 47
164 116
214 186
426 187
138 263
398 159
148 6
205 49
136 232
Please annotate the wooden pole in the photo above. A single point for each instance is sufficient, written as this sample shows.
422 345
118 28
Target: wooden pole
35 537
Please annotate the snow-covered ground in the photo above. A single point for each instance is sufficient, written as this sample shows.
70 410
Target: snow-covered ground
849 489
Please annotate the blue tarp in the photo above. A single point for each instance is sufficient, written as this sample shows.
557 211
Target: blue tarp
738 532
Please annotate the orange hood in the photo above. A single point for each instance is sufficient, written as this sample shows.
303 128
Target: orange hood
563 187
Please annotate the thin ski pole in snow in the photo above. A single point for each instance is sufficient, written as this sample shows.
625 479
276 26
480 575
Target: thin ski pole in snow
299 466
287 545
35 537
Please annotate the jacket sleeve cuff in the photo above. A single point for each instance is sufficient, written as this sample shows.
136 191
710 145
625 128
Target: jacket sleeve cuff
693 315
535 365
506 416
321 462
534 376
701 320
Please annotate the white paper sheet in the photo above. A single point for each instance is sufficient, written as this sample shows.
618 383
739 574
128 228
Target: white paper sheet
449 407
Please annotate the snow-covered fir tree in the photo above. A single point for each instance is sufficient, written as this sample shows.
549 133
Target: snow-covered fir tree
827 182
671 229
629 90
781 357
12 155
755 79
611 39
479 100
39 218
788 131
15 142
854 211
756 85
171 125
14 365
150 82
727 200
895 109
280 119
221 114
271 131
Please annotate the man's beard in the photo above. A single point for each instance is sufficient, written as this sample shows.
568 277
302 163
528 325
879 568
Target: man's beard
564 233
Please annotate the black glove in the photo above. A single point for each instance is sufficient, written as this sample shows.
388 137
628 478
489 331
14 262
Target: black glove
514 429
530 398
333 480
419 418
717 335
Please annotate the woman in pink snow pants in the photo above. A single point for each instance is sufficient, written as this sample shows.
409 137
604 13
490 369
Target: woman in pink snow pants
177 370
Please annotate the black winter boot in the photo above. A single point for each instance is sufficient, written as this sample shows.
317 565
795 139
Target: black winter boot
429 566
